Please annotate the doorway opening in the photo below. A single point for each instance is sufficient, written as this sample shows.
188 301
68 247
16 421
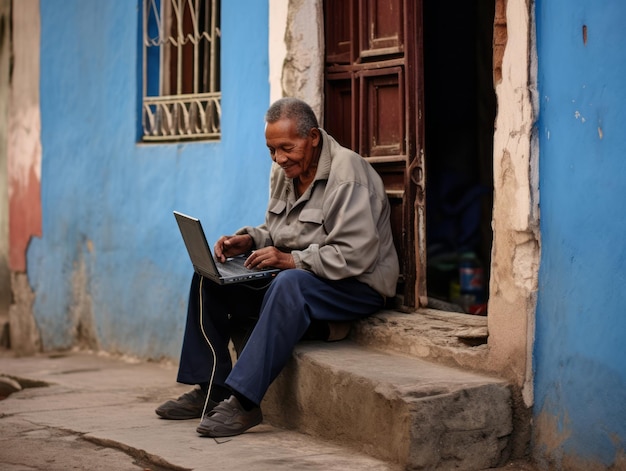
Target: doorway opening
460 110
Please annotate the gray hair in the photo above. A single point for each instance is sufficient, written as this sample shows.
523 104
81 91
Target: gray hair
294 109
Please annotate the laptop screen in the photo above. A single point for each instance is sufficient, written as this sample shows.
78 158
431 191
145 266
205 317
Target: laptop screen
196 243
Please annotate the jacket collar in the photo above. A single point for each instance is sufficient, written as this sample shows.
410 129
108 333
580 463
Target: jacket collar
323 165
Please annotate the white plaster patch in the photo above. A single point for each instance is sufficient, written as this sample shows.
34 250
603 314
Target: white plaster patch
303 71
24 122
516 196
577 115
277 48
514 125
526 266
24 146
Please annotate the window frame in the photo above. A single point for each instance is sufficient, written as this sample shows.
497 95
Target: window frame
181 92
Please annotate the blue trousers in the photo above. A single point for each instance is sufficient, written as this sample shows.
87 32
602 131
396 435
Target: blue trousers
276 318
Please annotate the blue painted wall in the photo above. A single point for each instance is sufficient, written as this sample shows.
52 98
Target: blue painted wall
580 353
109 236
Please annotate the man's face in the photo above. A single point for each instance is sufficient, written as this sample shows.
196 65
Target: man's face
292 152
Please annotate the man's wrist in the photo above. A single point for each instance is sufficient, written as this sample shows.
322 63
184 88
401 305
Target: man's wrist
252 246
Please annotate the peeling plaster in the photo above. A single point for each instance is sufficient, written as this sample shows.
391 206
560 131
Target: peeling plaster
23 144
515 253
24 118
83 322
303 68
23 331
526 265
277 49
24 219
551 434
24 129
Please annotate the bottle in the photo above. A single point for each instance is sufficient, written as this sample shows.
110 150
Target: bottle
471 281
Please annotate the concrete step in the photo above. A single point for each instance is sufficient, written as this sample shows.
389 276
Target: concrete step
449 338
404 410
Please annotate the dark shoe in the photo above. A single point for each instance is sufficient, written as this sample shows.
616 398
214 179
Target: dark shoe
187 406
229 418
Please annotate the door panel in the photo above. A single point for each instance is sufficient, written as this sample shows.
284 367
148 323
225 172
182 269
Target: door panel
382 113
339 31
341 116
373 103
381 25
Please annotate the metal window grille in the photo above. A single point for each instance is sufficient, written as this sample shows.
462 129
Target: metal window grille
181 82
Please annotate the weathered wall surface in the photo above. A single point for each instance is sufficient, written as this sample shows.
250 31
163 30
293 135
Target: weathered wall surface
580 393
24 146
5 70
516 243
515 252
108 268
303 66
23 169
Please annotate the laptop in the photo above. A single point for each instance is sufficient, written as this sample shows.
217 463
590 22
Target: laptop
231 271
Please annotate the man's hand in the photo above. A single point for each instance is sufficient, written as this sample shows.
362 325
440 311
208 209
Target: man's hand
230 246
270 257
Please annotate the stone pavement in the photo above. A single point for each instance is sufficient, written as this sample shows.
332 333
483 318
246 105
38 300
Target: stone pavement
70 398
81 410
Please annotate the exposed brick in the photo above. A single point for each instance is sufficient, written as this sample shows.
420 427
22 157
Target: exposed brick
499 35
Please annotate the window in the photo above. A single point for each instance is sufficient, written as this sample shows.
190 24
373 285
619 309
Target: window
181 70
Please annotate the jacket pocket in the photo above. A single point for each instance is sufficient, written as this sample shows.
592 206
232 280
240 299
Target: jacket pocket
309 215
276 206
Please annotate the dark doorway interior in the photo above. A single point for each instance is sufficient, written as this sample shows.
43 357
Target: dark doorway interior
460 109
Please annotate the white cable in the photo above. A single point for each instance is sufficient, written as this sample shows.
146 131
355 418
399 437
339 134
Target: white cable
206 401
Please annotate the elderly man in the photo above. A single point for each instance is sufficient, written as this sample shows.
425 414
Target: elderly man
327 227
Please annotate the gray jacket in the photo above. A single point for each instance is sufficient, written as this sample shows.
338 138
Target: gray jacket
339 228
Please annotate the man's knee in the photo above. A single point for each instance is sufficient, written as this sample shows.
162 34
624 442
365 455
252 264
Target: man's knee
287 295
291 279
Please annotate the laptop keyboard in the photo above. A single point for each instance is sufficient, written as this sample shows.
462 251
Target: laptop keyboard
234 267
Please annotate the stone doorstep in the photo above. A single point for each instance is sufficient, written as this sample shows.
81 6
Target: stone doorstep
404 410
449 338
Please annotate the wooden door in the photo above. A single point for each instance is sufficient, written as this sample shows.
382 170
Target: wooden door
374 105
